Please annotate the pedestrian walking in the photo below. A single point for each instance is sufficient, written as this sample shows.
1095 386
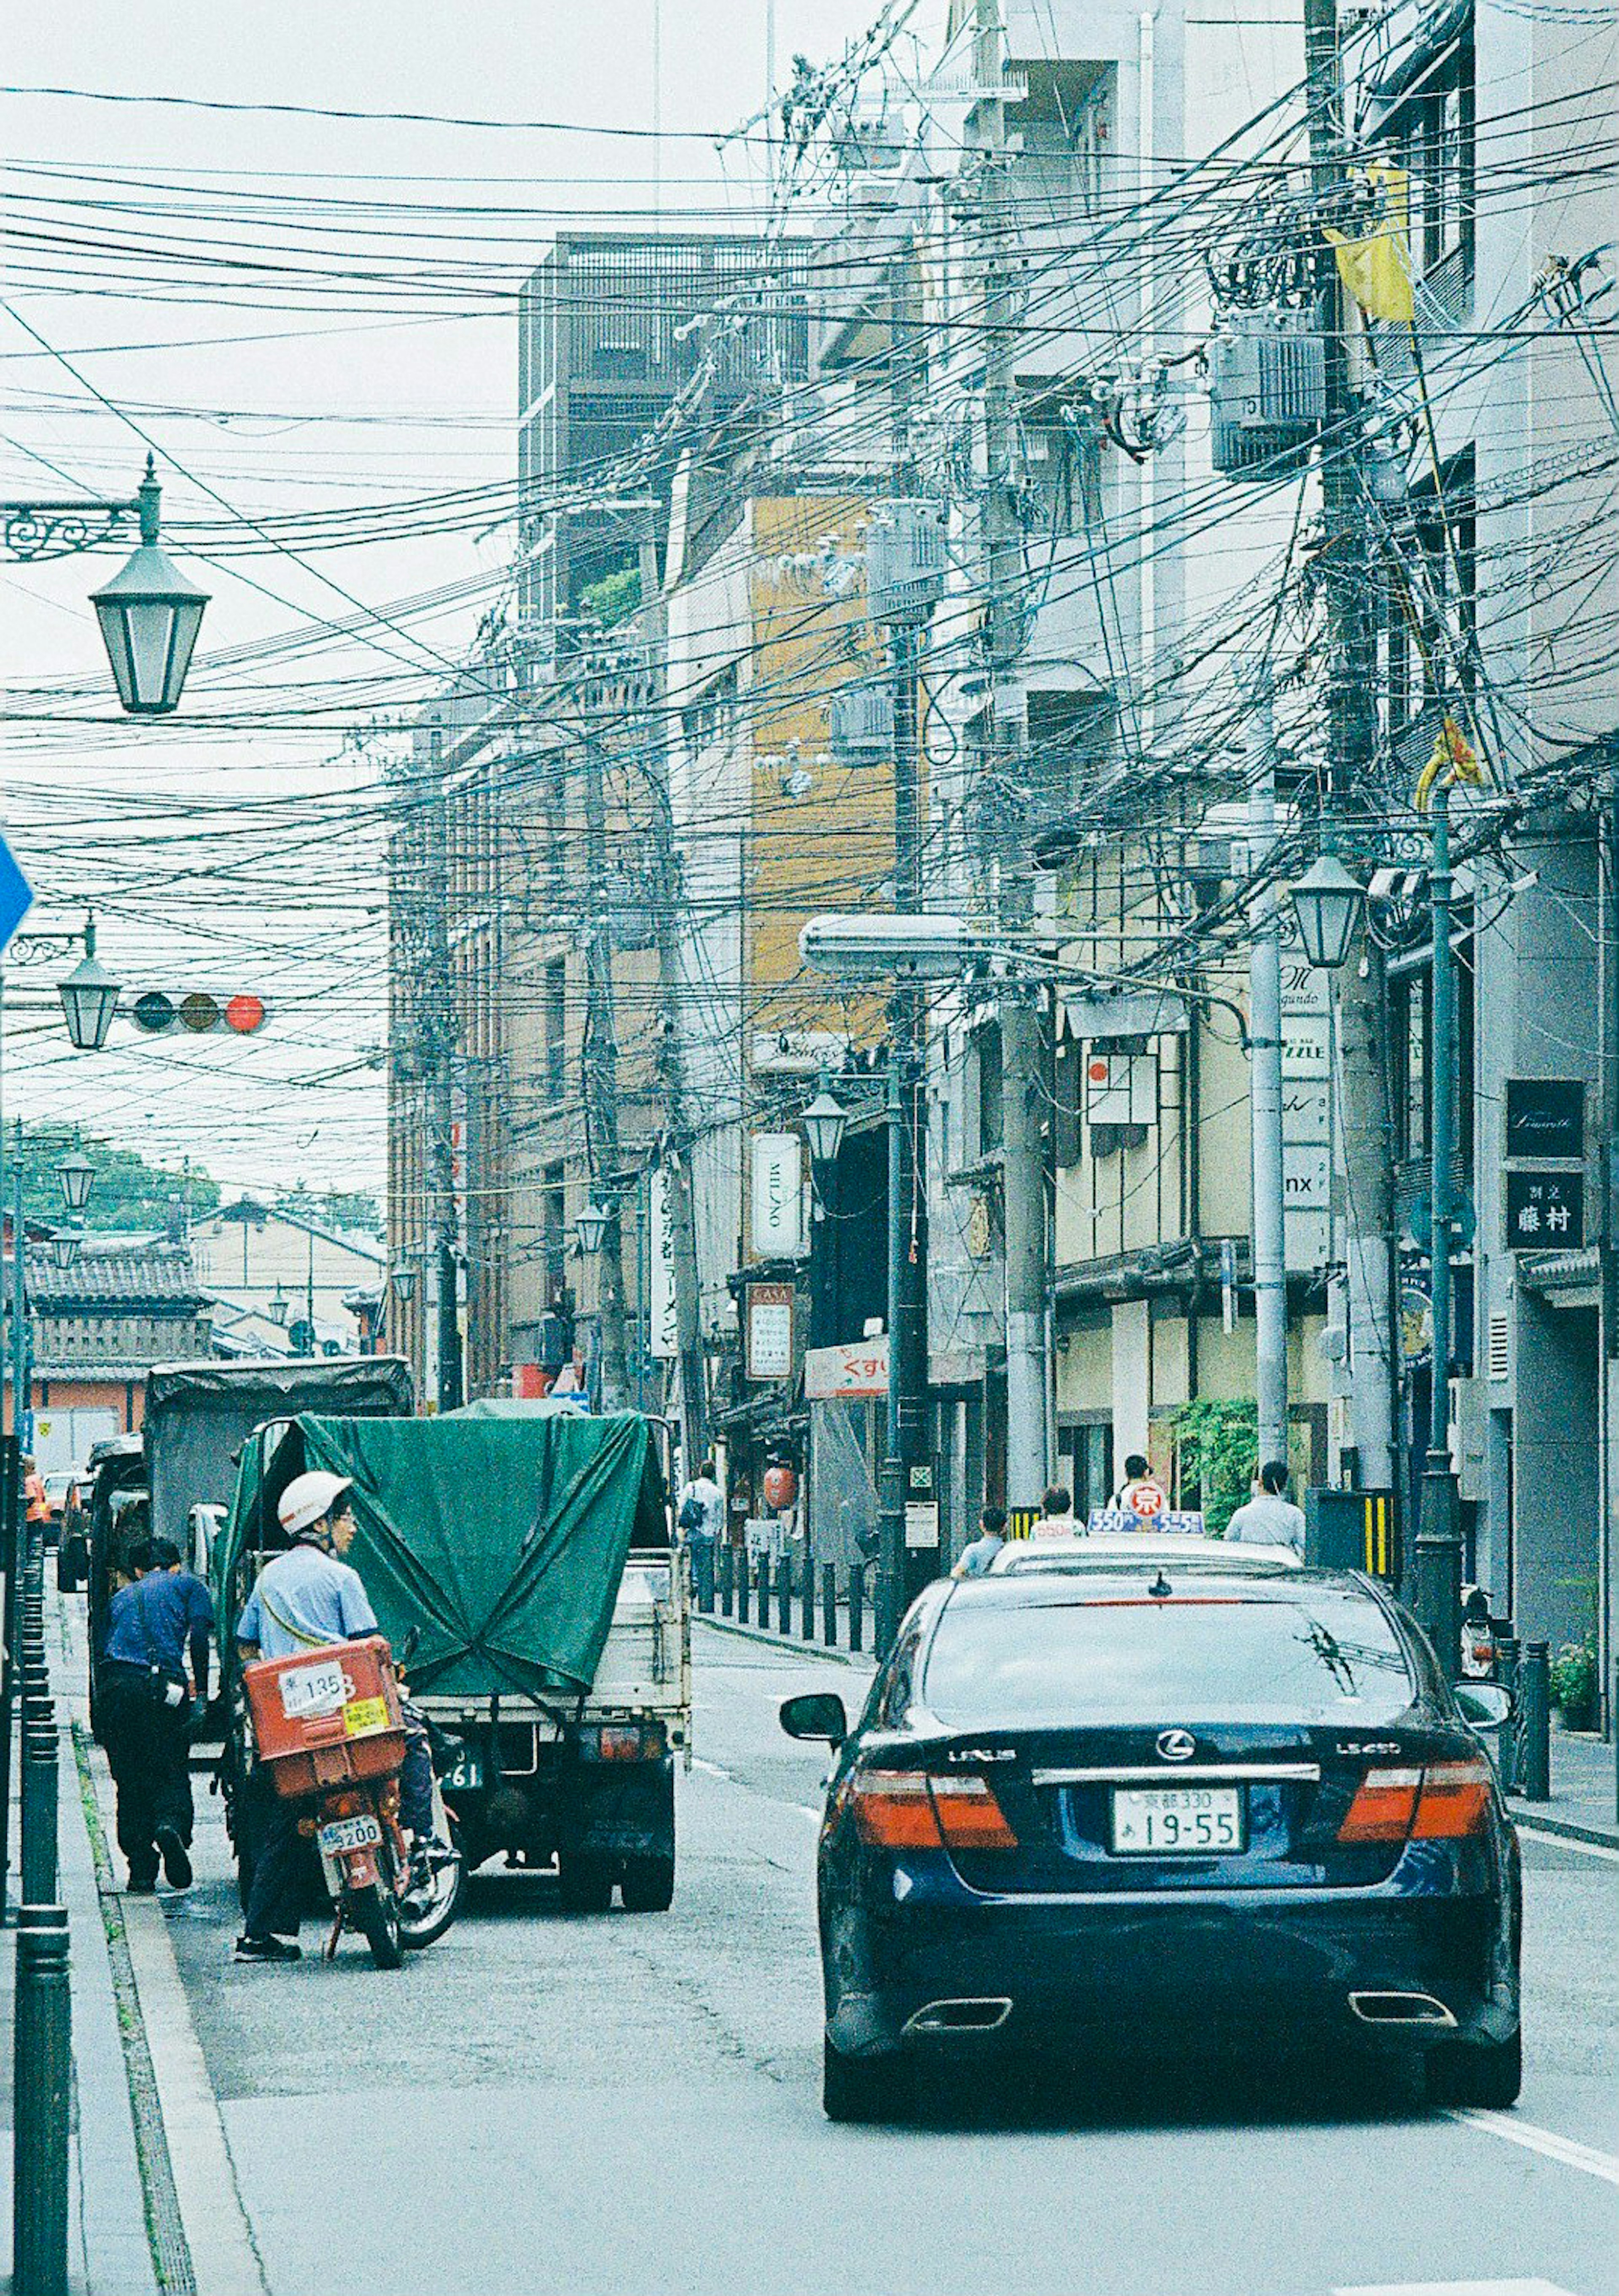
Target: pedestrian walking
145 1703
699 1518
975 1559
1139 1494
1056 1517
1270 1519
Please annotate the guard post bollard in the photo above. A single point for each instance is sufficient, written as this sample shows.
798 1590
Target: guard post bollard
806 1587
1612 1731
1535 1683
727 1578
857 1606
744 1568
40 1784
784 1595
829 1604
42 2071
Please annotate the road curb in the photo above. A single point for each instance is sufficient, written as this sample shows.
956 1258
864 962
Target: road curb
1565 1829
860 1659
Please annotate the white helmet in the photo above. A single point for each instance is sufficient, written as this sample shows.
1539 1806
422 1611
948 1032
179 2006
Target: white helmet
307 1499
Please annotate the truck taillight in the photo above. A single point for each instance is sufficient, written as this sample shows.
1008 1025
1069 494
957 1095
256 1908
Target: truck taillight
905 1810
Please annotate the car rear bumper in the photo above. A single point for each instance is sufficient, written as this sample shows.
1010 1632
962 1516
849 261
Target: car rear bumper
1015 1977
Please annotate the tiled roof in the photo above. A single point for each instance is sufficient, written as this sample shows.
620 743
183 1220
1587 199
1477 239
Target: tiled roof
115 1271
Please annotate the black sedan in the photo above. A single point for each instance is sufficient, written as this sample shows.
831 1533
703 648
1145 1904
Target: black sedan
1202 1811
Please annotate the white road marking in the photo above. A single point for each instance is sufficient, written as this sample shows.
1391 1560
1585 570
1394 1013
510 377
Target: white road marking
1565 2150
1457 2288
1548 1841
709 1769
717 1770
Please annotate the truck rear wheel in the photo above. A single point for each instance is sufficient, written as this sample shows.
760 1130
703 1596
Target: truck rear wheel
648 1884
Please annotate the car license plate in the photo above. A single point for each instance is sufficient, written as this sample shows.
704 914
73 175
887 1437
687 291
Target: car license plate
349 1833
465 1774
1177 1821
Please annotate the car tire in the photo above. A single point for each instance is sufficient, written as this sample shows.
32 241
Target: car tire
586 1884
1487 2075
648 1884
860 2089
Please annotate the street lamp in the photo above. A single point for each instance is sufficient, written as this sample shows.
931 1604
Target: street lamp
76 1174
404 1281
149 615
883 947
591 1227
89 997
65 1246
825 1121
1327 903
279 1306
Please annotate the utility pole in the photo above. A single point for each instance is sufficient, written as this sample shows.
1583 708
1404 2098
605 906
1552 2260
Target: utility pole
908 1472
439 1034
601 1084
1363 1083
1438 1562
1023 1164
1265 1087
671 1048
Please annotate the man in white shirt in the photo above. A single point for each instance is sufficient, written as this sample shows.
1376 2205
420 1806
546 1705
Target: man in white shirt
1269 1518
699 1517
1055 1519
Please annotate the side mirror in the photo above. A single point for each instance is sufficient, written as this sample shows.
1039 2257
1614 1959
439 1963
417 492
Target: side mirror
1485 1705
815 1714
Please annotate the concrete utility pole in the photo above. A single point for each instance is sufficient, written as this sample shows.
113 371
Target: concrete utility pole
671 1048
1438 1561
1368 1139
907 1474
602 1085
1265 1083
439 1035
1022 1160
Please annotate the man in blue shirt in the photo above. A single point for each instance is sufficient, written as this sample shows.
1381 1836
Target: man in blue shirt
144 1706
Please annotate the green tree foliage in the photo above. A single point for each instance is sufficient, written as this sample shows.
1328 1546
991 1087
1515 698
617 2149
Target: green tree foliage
1217 1444
356 1211
127 1192
615 597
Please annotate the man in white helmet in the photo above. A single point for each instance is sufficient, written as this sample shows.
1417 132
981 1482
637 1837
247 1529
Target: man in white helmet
307 1598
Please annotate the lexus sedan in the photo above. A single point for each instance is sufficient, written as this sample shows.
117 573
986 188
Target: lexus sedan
1163 1807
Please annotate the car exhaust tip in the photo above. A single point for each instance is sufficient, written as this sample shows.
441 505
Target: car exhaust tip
979 2015
1399 2009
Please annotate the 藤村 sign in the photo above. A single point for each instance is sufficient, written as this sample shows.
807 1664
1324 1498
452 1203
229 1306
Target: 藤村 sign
778 1195
769 1330
1545 1212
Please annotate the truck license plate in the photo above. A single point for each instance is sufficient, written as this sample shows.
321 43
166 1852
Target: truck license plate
465 1774
349 1833
318 1689
1177 1821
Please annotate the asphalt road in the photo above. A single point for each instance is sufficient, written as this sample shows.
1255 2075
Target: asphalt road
631 2104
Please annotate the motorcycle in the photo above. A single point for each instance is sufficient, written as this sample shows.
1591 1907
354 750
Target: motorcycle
330 1727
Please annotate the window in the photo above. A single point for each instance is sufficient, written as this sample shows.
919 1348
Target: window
986 1055
1433 138
556 1028
711 715
1426 614
1064 470
1047 1663
553 1213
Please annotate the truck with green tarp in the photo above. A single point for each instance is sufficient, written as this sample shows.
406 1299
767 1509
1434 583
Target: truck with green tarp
524 1558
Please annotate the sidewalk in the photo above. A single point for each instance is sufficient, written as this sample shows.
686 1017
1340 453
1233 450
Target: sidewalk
109 2249
1583 1792
795 1642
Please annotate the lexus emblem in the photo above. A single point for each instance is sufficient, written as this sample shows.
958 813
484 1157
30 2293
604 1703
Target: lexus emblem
1176 1745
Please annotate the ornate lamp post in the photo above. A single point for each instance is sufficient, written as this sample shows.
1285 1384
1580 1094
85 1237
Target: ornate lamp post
89 997
825 1121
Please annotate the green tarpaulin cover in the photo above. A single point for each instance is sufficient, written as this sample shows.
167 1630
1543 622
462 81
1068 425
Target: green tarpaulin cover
500 1538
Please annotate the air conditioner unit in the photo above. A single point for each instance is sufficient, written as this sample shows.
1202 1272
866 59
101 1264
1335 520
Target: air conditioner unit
905 562
860 718
1267 380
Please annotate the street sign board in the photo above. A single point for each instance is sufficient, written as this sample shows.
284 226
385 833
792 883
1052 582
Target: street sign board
16 895
1545 1117
837 1375
1545 1212
769 1330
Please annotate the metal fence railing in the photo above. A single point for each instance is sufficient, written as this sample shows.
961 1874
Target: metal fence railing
789 1596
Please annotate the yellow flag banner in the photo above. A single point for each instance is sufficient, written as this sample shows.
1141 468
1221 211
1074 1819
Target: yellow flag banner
1453 757
1377 269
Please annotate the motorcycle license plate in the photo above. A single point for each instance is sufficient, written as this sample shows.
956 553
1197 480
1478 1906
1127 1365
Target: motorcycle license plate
314 1690
349 1833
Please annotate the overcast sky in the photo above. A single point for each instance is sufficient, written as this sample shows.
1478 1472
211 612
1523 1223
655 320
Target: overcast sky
221 855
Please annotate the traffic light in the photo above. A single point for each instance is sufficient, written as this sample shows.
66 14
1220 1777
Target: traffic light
156 1010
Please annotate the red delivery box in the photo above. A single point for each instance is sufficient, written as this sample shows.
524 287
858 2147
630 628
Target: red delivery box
325 1717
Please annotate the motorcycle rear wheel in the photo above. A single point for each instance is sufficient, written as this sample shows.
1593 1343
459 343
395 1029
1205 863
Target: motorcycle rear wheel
374 1911
440 1910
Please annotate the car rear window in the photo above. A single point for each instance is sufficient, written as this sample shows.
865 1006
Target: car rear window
1317 1654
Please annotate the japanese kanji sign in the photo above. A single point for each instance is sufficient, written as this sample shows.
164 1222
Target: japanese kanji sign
1545 1212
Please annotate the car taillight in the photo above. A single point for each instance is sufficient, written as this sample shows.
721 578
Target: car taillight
904 1809
1442 1803
1454 1797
